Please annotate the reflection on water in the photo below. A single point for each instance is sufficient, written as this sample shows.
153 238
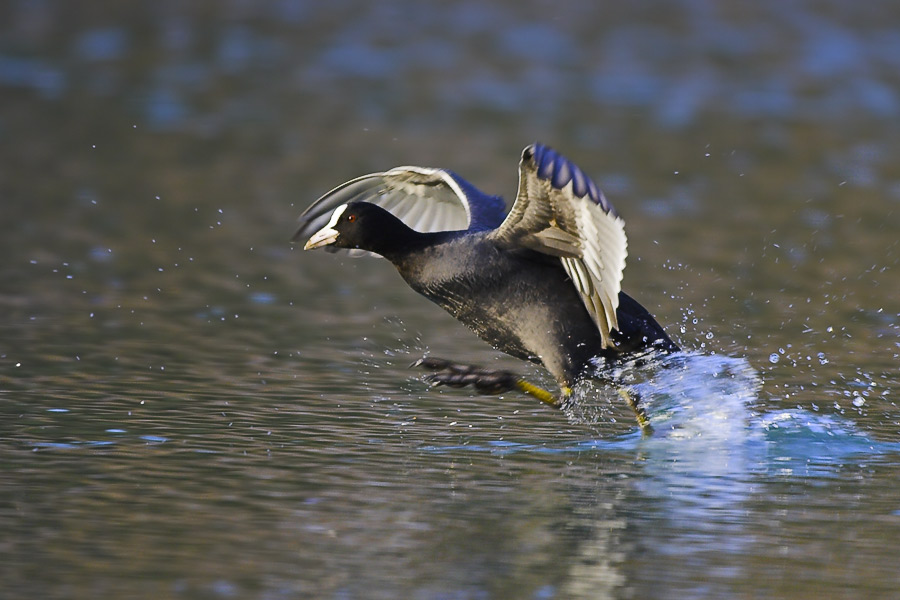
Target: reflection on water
191 408
705 468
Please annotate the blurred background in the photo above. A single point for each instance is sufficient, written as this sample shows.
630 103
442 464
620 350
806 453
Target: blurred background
192 407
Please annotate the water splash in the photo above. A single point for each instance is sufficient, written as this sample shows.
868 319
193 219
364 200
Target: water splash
690 395
710 426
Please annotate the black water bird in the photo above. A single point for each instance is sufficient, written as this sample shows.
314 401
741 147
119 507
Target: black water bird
542 283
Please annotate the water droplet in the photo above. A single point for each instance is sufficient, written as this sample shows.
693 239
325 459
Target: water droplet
774 358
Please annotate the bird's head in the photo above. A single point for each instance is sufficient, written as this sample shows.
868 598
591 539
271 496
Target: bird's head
359 225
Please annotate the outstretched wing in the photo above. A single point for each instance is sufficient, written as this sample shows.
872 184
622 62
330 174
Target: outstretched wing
559 211
426 199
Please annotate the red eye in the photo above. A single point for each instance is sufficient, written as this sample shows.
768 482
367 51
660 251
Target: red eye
351 218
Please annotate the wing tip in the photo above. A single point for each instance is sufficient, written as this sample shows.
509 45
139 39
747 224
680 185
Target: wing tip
552 166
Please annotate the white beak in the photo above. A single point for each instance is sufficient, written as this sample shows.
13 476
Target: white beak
328 234
322 237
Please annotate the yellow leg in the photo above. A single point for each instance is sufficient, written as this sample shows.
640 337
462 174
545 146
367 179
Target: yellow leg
541 394
638 411
489 381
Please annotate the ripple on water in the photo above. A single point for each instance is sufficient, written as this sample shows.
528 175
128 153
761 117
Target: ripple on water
708 418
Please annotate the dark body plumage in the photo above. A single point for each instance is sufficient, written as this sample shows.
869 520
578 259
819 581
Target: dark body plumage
523 303
508 283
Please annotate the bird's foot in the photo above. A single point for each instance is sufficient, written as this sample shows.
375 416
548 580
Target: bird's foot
485 381
497 381
633 401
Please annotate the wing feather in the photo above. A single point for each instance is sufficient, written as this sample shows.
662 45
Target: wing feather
559 211
426 199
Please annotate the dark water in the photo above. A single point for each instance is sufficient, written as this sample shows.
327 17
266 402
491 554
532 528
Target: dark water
192 408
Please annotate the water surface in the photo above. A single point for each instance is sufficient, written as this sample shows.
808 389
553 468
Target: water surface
190 407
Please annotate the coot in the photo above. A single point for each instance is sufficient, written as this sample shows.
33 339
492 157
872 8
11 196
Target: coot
541 283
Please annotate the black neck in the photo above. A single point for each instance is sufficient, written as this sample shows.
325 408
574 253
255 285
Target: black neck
390 237
401 244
